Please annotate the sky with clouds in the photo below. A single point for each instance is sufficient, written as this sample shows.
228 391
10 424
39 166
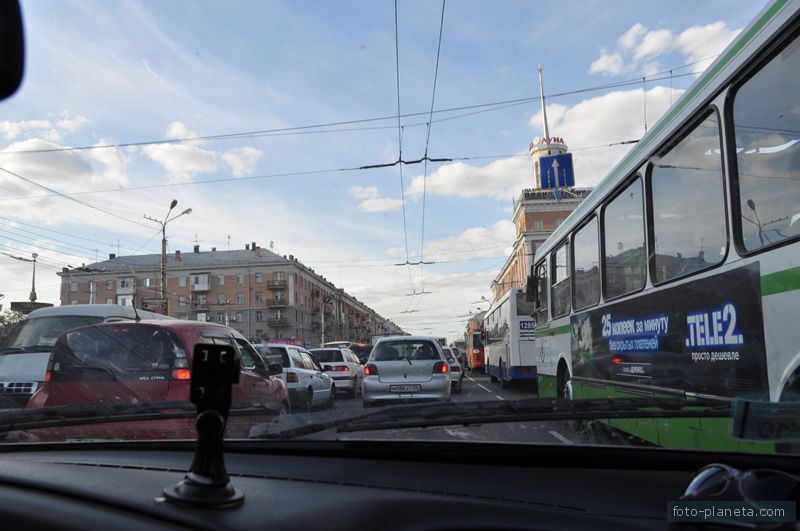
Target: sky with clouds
104 74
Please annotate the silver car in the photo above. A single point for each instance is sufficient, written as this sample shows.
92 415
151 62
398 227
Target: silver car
405 368
456 370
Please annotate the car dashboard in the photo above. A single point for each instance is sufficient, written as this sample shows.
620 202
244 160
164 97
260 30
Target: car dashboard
350 485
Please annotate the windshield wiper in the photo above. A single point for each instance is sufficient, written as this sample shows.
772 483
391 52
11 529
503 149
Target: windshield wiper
33 348
100 413
469 413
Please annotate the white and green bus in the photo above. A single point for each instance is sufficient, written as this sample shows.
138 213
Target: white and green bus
509 339
679 275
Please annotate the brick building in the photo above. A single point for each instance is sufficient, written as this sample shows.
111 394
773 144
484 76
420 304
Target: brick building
261 294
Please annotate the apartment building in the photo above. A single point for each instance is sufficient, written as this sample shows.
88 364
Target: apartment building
265 296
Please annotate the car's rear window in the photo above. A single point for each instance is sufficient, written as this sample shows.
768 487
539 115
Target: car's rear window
44 331
273 355
330 355
122 348
405 350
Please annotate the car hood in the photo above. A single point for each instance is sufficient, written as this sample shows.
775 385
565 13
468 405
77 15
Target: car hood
24 366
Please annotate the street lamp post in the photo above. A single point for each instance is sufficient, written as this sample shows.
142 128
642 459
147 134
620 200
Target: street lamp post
163 223
32 296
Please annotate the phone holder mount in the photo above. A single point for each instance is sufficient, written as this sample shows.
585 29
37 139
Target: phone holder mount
215 368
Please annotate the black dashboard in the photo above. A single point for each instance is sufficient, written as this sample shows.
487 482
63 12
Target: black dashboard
352 485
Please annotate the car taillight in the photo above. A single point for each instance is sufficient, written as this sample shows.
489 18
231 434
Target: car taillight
440 367
181 374
476 351
291 377
47 376
341 368
370 370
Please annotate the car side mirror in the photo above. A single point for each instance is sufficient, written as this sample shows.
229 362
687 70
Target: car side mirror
12 48
274 368
326 368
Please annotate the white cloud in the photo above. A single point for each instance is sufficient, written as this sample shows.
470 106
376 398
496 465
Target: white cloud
47 129
638 49
501 179
371 201
177 130
654 43
631 38
71 123
242 160
495 240
113 163
182 161
606 119
607 64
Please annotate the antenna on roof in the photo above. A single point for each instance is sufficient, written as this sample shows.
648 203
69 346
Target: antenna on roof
229 242
135 311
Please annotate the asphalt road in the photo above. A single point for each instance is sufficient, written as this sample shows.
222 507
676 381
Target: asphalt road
477 388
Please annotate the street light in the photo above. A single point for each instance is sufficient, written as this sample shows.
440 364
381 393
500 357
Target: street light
32 296
163 223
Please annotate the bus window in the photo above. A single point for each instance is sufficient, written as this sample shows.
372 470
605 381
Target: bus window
541 292
586 261
625 264
524 307
688 200
561 284
767 125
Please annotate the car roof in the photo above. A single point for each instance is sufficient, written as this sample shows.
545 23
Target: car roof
179 325
94 310
407 338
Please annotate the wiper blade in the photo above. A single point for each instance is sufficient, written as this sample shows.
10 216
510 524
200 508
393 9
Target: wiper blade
537 409
34 348
101 413
469 413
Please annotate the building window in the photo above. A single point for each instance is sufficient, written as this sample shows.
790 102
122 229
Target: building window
538 225
278 314
259 278
259 296
202 317
202 299
220 317
109 284
145 282
239 298
279 296
220 280
126 282
220 298
279 276
240 278
182 300
125 300
182 282
72 285
238 317
109 301
259 315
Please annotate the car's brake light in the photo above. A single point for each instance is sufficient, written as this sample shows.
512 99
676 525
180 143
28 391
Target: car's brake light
341 368
476 351
440 367
370 370
291 377
47 376
181 374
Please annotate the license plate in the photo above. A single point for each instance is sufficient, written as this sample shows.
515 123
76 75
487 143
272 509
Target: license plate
405 388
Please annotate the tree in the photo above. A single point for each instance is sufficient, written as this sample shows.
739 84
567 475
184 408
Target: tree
8 319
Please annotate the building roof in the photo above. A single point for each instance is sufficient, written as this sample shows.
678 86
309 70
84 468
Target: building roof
207 259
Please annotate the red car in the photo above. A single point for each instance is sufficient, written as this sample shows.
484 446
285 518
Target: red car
149 362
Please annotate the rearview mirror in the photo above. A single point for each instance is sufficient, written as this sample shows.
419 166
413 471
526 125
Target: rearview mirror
274 368
12 48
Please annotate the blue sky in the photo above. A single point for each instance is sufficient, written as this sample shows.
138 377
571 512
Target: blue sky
119 72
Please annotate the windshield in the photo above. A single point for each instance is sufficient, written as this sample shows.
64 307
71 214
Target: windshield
44 331
328 355
602 226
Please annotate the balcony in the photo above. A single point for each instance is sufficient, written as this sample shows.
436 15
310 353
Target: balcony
278 322
276 284
276 304
199 287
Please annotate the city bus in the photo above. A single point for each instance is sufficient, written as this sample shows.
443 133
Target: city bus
678 276
474 343
509 332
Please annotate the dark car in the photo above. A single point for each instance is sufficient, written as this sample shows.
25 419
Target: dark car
150 362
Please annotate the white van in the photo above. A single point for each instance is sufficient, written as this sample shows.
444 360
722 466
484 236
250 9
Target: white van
24 353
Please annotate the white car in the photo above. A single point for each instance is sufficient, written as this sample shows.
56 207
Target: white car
308 385
343 366
456 370
406 368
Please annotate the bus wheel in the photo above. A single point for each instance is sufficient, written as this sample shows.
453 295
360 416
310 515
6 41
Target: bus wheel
492 377
505 384
563 383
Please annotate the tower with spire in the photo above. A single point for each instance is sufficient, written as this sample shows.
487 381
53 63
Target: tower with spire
546 145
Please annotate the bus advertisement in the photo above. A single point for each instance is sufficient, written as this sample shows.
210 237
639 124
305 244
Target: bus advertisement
510 332
474 343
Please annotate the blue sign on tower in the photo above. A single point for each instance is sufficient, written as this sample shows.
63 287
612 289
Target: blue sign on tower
556 171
